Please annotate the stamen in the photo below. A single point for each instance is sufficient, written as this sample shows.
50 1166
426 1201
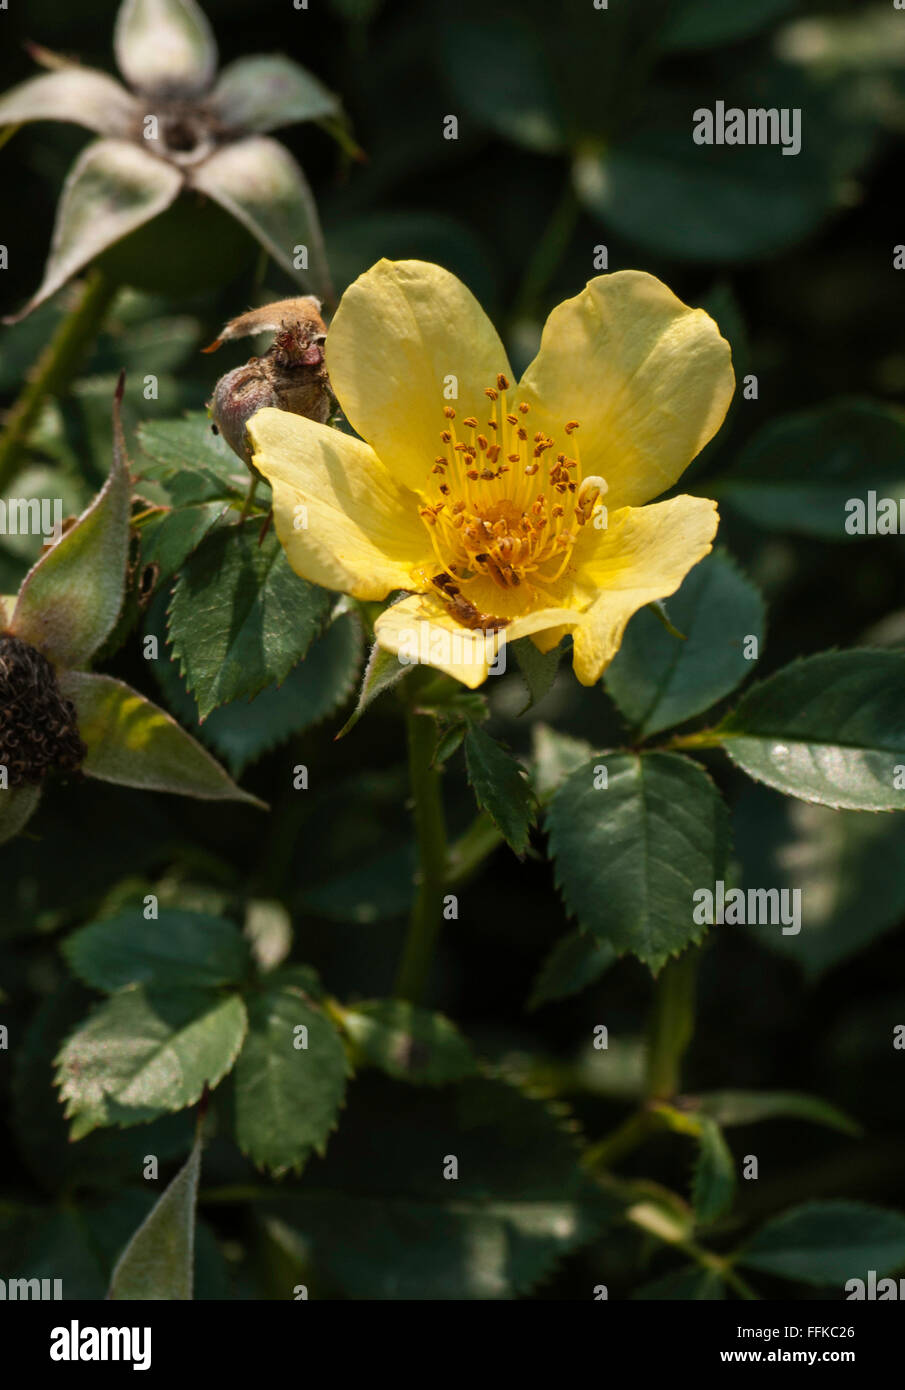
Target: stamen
480 524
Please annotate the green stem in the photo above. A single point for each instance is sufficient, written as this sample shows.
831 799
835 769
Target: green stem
704 738
671 1026
628 1136
719 1265
473 846
54 369
548 254
430 833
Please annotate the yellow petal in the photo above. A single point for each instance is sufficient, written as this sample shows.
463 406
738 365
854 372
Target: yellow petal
405 334
341 518
649 380
644 555
421 631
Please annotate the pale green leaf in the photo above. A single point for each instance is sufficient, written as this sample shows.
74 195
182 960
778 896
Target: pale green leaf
17 806
137 744
266 91
88 98
258 182
159 1261
113 188
71 599
165 47
142 1053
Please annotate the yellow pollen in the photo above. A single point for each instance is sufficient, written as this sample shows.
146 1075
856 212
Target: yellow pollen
489 523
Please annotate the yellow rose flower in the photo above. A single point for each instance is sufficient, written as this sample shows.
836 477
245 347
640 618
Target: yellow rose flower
506 511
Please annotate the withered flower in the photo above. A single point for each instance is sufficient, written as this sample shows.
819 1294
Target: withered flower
290 375
55 714
177 128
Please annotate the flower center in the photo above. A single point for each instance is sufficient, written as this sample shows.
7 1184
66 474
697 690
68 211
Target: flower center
505 502
186 133
38 730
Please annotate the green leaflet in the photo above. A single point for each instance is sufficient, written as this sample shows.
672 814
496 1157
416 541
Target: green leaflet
714 1174
658 680
827 1243
193 464
748 1107
408 1043
290 1078
500 787
575 962
632 838
829 728
143 1052
240 618
519 1203
798 472
182 950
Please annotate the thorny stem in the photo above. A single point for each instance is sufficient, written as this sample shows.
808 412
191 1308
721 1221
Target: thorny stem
55 368
430 833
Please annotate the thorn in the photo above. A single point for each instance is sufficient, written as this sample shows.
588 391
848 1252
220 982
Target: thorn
266 527
120 387
212 347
